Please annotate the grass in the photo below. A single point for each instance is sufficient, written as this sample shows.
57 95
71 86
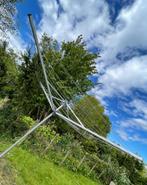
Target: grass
21 167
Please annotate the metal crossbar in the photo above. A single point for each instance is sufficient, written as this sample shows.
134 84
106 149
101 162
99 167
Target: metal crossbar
41 60
20 140
77 125
97 136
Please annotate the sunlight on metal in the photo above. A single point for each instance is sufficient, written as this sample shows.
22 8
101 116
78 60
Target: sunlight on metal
41 59
28 133
98 136
77 125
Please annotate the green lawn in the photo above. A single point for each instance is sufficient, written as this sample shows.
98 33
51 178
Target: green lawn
25 168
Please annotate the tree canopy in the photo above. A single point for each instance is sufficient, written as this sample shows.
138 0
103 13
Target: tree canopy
7 12
8 71
68 68
91 113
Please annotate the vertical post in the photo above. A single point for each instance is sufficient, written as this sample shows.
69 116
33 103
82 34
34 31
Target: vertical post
41 60
75 115
24 137
20 140
80 163
48 146
92 168
67 154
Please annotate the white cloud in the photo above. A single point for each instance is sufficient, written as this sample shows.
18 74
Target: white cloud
123 134
129 129
15 41
129 31
89 18
134 31
127 137
137 123
138 107
122 78
14 38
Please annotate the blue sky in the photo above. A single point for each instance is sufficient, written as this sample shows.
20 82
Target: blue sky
118 30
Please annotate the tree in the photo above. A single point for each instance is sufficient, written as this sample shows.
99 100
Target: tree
71 64
7 11
67 68
91 113
8 71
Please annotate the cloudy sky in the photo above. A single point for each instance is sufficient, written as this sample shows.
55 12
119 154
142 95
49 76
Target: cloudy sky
117 30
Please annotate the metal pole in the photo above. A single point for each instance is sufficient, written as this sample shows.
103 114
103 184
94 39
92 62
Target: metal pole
48 146
92 168
75 115
47 96
98 136
80 163
67 154
41 59
28 133
55 90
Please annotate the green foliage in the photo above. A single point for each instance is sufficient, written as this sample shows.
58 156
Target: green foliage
8 120
7 172
122 178
8 71
91 113
46 132
76 63
29 169
7 12
68 68
13 122
28 121
29 96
